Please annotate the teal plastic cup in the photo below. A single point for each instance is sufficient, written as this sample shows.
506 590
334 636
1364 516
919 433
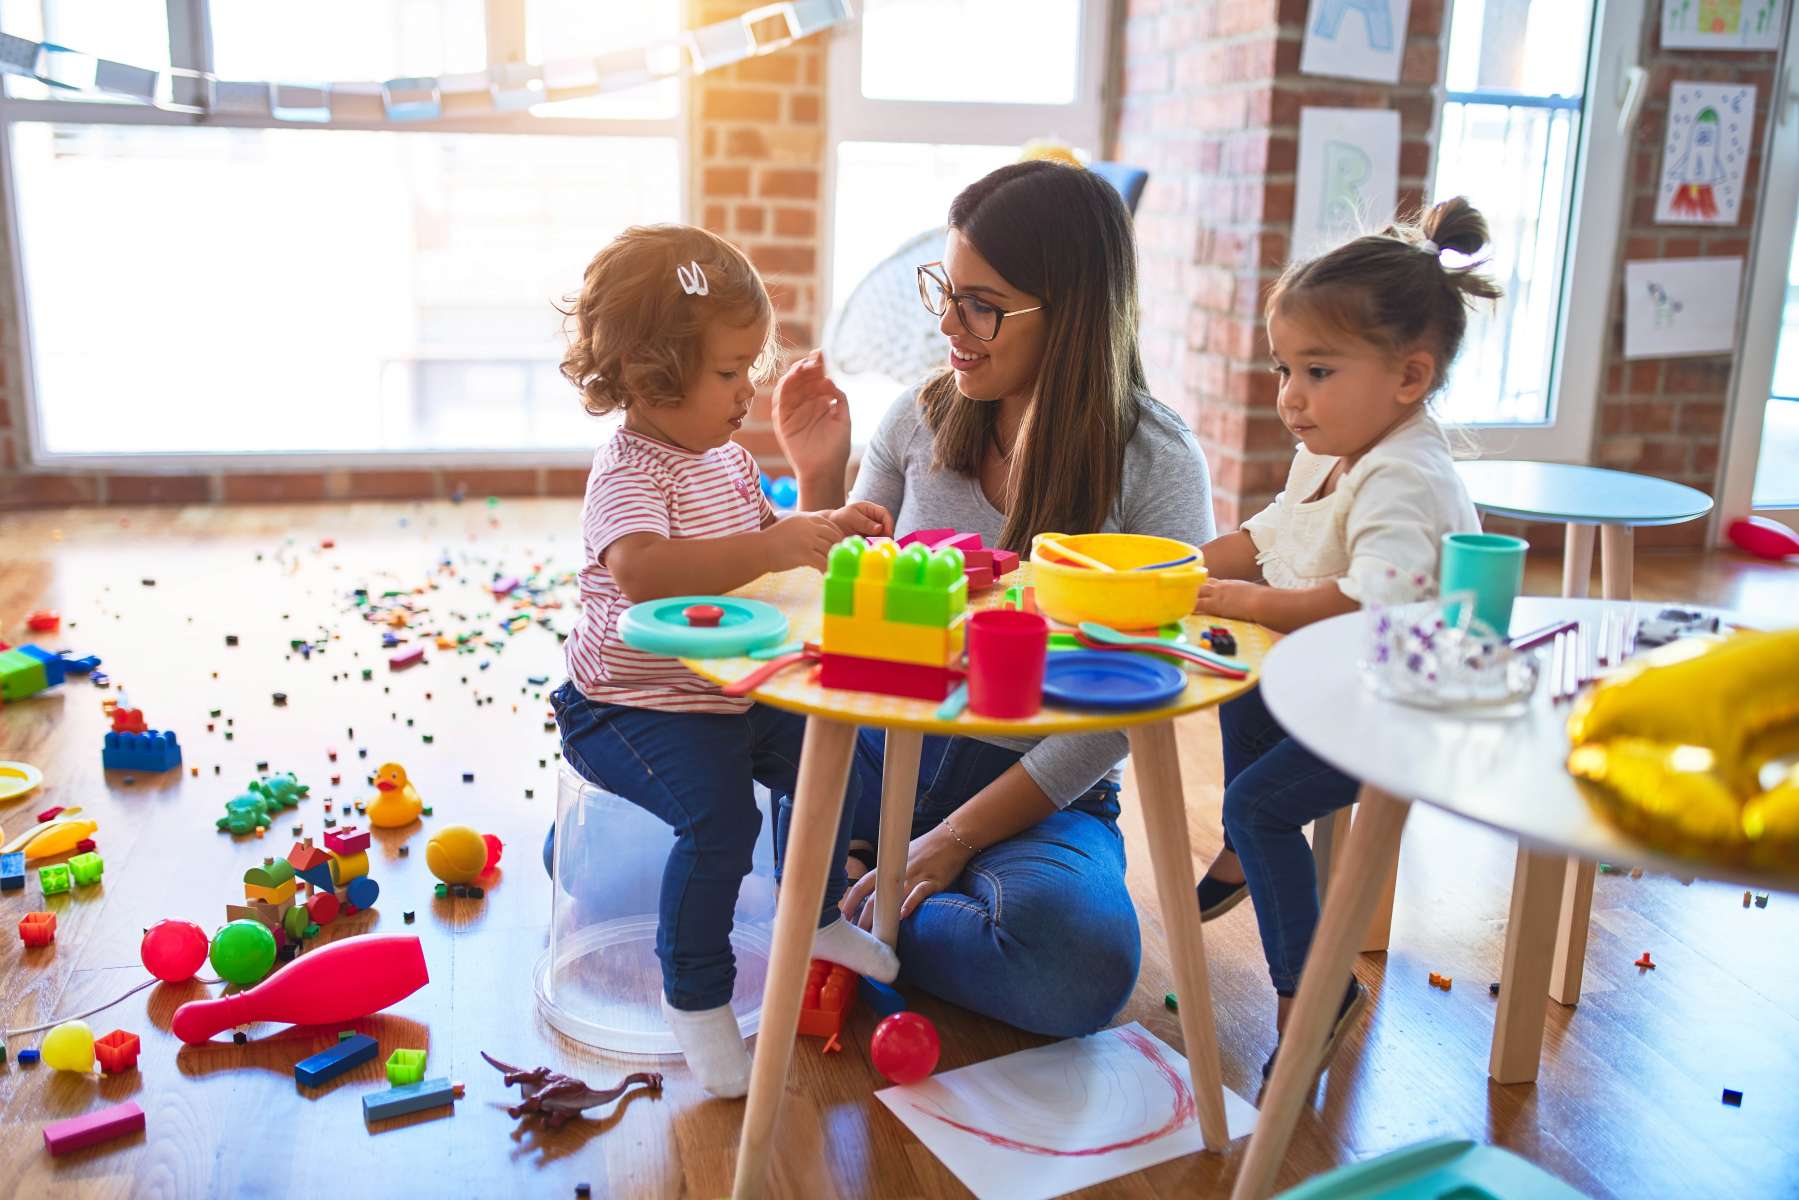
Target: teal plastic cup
1491 565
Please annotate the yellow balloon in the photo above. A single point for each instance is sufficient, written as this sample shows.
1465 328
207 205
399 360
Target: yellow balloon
456 854
69 1047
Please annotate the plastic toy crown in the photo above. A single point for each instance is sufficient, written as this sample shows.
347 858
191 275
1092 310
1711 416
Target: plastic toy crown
1437 654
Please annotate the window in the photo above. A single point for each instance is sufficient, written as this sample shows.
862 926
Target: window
926 97
1530 133
367 286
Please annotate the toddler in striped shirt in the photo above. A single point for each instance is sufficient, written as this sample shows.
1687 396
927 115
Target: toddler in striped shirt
674 329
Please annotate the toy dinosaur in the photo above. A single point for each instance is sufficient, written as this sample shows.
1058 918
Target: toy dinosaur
559 1098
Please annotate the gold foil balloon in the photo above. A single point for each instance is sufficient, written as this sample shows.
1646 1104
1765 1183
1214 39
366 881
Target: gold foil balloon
69 1047
1674 747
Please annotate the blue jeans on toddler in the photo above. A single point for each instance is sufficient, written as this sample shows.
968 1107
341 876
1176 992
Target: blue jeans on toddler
694 771
1273 788
1040 931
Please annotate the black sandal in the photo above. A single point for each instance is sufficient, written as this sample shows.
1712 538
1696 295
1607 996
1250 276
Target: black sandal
1217 897
863 853
1354 1000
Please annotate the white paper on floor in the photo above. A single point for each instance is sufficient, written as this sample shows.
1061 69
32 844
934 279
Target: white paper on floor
1043 1122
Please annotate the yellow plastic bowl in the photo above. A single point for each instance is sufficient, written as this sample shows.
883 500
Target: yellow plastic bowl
1124 598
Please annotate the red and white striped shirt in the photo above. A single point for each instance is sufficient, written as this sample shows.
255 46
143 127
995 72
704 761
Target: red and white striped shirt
640 485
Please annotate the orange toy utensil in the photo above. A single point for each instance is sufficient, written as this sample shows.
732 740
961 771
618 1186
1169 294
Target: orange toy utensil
769 669
339 982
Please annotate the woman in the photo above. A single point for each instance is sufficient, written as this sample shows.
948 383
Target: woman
1015 901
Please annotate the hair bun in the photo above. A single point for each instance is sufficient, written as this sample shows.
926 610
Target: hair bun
1455 224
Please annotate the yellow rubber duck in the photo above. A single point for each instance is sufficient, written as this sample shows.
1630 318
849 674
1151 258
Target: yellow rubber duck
396 802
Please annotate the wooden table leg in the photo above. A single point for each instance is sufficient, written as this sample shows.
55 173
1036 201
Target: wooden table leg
1616 561
1380 924
899 796
1373 850
1330 838
1518 1030
817 807
1156 760
1577 559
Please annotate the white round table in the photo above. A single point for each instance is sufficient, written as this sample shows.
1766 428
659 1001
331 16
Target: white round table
1586 500
1506 773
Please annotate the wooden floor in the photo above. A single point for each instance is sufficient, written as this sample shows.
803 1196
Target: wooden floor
1627 1104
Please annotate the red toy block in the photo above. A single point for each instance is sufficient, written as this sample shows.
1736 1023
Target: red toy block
979 578
1004 562
1644 962
44 620
830 994
37 929
914 680
76 1132
49 813
128 720
960 541
348 840
117 1052
930 537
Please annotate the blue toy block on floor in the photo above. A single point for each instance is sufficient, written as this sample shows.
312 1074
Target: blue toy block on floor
882 1000
54 665
327 1065
12 871
156 750
407 1098
1433 1170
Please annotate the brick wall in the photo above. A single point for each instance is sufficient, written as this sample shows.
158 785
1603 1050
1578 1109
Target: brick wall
1210 101
756 154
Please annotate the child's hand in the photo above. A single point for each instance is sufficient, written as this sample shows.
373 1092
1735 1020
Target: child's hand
864 517
1232 599
802 540
812 418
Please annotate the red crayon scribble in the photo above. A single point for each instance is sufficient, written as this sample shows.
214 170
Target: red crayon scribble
1186 1110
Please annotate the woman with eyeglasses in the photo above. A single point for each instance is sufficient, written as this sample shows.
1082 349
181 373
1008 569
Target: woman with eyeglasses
1015 903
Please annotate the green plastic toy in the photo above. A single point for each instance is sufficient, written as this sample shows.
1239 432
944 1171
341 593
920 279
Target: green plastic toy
243 951
405 1066
54 880
87 868
1442 1169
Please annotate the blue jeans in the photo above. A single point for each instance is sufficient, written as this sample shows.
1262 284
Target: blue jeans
694 771
1274 788
1039 932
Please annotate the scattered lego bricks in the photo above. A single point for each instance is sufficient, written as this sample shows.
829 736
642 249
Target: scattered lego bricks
1644 962
117 1052
1440 981
1733 1098
405 1066
37 928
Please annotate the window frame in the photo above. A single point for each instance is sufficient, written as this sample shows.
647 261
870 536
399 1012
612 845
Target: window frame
190 48
1601 168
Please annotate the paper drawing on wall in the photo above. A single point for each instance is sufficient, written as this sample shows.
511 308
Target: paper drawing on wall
1721 24
1705 153
1348 177
1355 39
1675 306
1043 1122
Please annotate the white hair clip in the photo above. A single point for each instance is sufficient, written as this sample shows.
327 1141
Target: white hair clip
1429 247
693 280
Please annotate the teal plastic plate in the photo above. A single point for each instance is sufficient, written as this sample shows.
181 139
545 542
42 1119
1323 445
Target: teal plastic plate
659 627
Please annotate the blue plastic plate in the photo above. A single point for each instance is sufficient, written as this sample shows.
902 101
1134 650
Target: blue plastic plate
658 627
1108 679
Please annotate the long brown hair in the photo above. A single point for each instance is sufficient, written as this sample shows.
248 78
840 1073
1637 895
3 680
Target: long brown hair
1061 234
1392 290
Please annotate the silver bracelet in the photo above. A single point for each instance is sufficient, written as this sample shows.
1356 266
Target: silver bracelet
960 840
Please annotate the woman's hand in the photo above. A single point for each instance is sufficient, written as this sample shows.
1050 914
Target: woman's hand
863 517
1232 599
812 420
934 862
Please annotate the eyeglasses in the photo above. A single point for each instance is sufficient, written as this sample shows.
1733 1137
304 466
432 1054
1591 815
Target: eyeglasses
981 319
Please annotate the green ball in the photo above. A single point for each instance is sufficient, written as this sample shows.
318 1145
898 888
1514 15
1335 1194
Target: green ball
243 951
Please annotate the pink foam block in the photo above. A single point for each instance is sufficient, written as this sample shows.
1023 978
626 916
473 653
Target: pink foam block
929 537
76 1132
406 658
960 541
1004 562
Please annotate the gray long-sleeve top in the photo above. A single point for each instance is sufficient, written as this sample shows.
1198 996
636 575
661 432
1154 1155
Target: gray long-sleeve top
1166 492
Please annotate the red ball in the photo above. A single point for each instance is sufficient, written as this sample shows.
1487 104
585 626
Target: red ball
494 848
904 1047
174 950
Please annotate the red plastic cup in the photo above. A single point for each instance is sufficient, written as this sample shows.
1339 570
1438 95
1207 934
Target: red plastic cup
1007 649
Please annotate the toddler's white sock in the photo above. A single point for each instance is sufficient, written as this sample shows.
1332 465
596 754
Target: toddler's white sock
713 1047
861 951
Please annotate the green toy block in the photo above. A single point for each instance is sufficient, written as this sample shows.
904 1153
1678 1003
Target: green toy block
405 1066
840 597
87 868
443 891
54 880
927 588
20 675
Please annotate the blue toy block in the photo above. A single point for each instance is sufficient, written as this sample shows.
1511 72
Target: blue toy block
327 1065
320 877
54 666
79 666
362 892
27 1057
881 999
155 750
12 871
407 1098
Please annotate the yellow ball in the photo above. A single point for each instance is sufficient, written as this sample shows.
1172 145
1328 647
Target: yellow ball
456 854
69 1047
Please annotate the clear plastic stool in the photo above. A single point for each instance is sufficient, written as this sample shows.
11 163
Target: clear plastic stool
600 981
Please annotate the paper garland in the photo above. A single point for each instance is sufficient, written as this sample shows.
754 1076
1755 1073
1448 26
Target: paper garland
507 87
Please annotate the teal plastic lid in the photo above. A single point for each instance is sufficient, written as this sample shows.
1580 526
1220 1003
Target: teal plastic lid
663 627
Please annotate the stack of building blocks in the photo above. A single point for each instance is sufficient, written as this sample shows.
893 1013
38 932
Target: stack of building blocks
12 871
327 1065
895 621
117 1052
77 1132
128 720
37 928
984 566
829 996
408 1098
153 750
27 670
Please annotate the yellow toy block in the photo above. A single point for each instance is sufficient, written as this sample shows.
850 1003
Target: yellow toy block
345 867
271 895
871 581
895 641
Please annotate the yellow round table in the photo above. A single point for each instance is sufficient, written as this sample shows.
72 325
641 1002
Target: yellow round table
833 717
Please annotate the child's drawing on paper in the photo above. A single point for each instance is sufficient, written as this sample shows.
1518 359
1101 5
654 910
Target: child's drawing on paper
1705 154
1355 39
1348 175
1667 308
1721 24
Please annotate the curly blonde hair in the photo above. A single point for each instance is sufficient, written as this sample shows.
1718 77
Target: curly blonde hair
638 331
